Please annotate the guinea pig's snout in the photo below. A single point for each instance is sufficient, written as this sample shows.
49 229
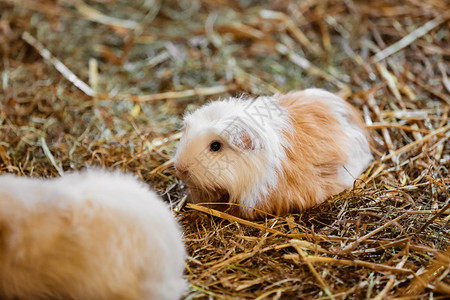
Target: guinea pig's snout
182 170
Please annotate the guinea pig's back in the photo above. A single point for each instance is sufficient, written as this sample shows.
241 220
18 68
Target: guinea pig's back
89 235
324 131
317 145
358 151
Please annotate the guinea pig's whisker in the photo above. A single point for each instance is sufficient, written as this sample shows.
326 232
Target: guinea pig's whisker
192 187
215 195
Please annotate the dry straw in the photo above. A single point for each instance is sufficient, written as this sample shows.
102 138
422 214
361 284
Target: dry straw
148 61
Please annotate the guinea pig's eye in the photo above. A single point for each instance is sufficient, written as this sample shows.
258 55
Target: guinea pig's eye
215 146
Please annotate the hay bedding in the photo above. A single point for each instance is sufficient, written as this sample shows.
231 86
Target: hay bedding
143 63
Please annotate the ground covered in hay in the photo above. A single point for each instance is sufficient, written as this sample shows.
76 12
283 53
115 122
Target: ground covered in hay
121 73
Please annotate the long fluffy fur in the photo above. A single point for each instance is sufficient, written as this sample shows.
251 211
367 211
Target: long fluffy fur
328 151
310 145
89 235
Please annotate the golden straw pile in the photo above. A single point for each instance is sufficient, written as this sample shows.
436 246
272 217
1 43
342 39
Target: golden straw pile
106 83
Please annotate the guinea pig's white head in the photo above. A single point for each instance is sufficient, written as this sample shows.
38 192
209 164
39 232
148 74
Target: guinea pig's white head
231 150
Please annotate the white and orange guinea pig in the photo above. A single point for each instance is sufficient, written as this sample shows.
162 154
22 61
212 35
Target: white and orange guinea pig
87 236
274 155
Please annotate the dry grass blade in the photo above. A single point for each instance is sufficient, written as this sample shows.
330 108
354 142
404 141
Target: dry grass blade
180 205
50 156
411 37
4 155
236 258
356 263
431 212
354 244
307 66
162 167
66 72
387 138
436 215
96 16
391 80
322 283
398 126
290 25
202 91
232 218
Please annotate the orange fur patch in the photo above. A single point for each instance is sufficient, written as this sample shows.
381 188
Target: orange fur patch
317 149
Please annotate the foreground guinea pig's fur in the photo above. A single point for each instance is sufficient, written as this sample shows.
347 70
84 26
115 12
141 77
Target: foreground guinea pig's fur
276 154
92 235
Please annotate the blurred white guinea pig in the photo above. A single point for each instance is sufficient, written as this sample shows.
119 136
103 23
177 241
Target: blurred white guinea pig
276 154
91 235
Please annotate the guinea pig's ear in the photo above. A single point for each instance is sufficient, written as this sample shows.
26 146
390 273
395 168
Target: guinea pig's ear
240 137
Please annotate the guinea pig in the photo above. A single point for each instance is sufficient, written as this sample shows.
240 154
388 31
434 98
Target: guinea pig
91 235
276 155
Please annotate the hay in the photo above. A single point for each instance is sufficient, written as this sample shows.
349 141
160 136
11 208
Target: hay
146 62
